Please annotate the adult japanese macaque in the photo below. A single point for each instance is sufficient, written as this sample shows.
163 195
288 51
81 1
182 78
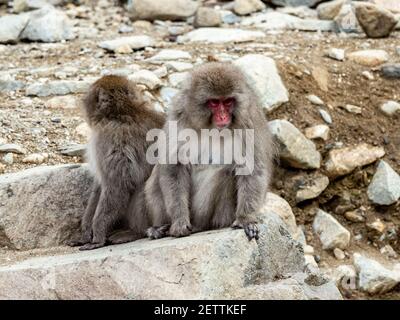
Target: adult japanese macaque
188 196
120 119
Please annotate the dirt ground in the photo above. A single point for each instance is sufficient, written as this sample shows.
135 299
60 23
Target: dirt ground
26 120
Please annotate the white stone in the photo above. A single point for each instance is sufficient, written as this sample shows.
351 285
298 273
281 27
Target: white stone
320 131
133 42
315 100
177 79
221 35
11 27
264 77
36 158
373 277
331 233
336 54
390 108
147 78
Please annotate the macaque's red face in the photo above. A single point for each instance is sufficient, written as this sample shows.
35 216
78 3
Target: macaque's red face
221 109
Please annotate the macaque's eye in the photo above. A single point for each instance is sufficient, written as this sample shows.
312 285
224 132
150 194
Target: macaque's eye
213 103
228 102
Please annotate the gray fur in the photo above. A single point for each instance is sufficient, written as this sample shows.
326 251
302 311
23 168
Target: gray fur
192 198
120 120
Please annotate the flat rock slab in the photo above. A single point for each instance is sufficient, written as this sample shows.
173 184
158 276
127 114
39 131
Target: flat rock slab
212 265
221 35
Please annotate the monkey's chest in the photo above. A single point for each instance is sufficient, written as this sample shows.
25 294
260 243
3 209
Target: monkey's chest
212 191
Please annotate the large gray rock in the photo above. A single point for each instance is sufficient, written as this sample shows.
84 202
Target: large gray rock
58 87
373 277
48 25
295 149
8 83
133 42
41 207
264 77
331 233
343 161
163 9
221 35
329 10
295 3
11 27
276 20
211 265
207 17
384 188
375 21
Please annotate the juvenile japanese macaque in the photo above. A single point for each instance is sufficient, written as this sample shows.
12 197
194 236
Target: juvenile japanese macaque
120 119
187 197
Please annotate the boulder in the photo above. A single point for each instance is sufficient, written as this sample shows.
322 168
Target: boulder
295 149
11 27
163 9
219 264
244 7
264 77
207 17
42 207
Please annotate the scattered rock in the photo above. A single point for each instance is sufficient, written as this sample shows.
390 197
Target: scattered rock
132 43
83 130
163 9
375 21
389 252
13 148
369 58
355 215
384 188
315 100
176 79
48 25
329 10
320 131
36 158
8 83
244 7
263 75
229 17
353 109
336 54
207 17
170 54
279 206
62 102
294 3
73 150
339 254
221 35
344 276
274 20
346 20
295 149
312 188
391 70
178 66
8 158
377 225
367 75
58 87
167 94
147 78
331 233
373 277
325 116
390 108
345 160
12 26
321 76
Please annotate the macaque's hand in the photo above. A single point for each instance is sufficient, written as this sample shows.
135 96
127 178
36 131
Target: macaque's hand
180 228
249 225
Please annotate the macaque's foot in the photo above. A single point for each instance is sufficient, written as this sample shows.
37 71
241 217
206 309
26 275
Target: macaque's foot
180 228
91 246
79 241
123 236
250 228
158 232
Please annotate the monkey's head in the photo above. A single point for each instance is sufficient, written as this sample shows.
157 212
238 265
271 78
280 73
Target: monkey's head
218 96
113 98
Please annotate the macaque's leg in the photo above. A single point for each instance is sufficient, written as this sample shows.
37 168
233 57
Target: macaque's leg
113 204
123 236
87 219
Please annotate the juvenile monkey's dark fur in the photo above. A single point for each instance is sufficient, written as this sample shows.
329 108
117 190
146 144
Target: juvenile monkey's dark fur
120 119
191 198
